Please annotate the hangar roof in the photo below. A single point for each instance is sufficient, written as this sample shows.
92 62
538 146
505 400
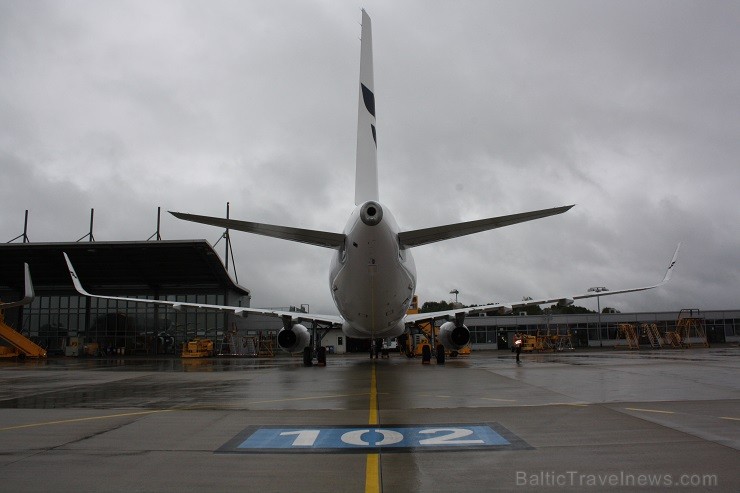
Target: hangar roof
122 267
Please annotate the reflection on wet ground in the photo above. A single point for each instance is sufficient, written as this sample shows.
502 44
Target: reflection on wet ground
154 363
154 424
249 383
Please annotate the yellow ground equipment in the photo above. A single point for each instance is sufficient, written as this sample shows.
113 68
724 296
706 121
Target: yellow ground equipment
20 345
413 345
197 348
673 339
627 331
530 343
418 341
91 349
691 328
653 335
547 341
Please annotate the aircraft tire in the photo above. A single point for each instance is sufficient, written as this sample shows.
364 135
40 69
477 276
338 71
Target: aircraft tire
440 354
426 354
307 356
321 356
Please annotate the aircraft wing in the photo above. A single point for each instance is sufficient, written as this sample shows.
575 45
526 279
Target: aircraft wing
408 239
28 294
236 310
505 307
312 237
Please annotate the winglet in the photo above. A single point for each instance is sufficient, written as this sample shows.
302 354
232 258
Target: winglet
669 272
73 275
366 170
28 293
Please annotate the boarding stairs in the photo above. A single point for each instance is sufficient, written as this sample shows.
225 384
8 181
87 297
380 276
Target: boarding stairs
653 335
266 345
627 331
20 345
691 328
251 346
674 339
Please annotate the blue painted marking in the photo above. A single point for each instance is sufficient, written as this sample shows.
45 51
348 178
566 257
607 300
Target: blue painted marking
374 437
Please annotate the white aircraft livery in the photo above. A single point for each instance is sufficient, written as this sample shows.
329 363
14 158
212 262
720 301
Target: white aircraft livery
372 276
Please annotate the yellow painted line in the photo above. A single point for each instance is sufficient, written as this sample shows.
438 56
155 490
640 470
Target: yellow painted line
648 410
310 398
727 417
372 473
373 416
77 420
577 404
372 464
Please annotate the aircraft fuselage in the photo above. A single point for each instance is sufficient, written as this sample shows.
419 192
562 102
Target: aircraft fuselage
372 279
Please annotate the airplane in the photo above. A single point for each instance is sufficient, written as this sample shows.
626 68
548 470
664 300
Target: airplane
372 274
28 294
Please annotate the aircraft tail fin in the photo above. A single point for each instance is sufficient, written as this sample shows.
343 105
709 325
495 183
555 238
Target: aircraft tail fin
366 173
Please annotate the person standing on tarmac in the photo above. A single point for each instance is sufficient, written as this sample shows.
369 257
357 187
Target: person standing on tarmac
518 341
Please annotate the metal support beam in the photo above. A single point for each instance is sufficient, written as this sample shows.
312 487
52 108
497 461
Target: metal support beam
23 235
156 233
89 235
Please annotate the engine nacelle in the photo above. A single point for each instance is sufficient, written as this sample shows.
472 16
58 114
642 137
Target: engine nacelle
293 340
565 302
452 336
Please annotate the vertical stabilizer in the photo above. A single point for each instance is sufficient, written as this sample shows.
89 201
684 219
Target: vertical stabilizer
366 174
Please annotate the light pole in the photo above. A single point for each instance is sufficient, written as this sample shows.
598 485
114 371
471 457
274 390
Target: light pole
455 292
598 289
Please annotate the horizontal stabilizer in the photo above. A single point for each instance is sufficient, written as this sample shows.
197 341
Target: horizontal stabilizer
409 239
318 238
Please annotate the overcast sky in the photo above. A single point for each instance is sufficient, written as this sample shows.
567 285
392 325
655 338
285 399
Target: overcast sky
629 109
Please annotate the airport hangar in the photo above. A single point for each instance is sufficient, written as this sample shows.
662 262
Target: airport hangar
191 271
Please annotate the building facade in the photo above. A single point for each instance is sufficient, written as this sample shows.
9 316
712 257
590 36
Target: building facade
58 318
495 332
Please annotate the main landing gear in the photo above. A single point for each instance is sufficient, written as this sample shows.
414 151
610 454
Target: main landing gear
426 354
320 356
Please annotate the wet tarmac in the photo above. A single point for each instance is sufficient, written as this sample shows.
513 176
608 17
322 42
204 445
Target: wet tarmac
590 420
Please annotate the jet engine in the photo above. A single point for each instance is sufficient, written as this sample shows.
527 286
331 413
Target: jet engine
293 340
453 336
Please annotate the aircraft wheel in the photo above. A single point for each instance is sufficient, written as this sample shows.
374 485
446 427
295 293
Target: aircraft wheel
321 356
440 354
426 354
307 356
